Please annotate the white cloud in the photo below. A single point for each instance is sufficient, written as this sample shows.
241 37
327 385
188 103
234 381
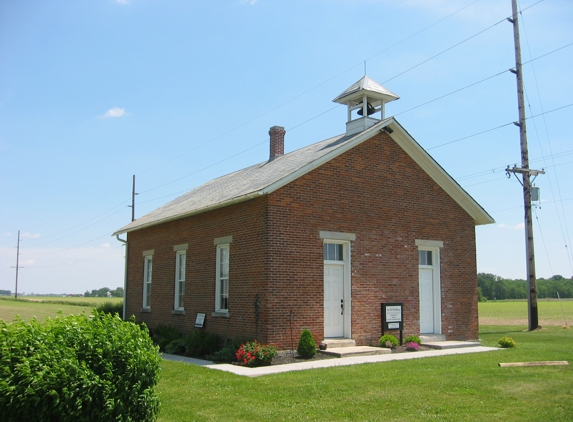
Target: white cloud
115 112
105 245
251 2
27 262
519 226
122 1
30 235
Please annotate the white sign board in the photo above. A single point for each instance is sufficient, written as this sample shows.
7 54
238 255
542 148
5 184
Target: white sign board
393 314
200 320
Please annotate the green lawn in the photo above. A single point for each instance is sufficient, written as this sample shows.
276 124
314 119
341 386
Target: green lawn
49 306
455 388
451 388
515 312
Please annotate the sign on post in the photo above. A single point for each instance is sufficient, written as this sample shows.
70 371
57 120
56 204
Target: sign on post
200 320
392 317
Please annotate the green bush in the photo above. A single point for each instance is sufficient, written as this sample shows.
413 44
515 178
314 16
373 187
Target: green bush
77 368
164 335
111 308
228 353
507 342
413 339
388 341
176 347
306 345
198 343
253 353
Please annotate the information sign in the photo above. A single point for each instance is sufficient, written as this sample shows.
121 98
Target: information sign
392 317
200 320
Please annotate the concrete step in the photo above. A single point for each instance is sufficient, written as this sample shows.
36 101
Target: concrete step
432 337
338 342
451 344
344 352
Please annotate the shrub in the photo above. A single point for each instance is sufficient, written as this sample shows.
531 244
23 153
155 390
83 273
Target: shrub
412 345
306 345
253 353
228 353
200 344
164 335
507 342
414 339
388 341
111 308
176 347
77 368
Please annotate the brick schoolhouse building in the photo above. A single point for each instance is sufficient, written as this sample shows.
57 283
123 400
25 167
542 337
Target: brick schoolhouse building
317 238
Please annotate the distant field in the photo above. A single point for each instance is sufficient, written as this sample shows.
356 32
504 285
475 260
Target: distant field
91 300
490 313
515 312
48 306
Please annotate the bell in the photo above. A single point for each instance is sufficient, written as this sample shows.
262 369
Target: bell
369 110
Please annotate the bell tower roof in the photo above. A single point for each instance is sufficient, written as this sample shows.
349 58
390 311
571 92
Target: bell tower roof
366 86
367 97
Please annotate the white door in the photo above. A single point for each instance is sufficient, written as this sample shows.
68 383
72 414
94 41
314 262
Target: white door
333 300
426 300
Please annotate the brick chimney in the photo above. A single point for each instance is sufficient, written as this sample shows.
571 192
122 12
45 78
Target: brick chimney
277 134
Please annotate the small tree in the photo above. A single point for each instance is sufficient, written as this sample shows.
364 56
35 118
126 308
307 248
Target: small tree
306 345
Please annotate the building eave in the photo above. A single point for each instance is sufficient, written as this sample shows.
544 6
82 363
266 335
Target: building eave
188 214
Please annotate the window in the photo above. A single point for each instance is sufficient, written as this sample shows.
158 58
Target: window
147 267
333 252
425 257
222 287
180 259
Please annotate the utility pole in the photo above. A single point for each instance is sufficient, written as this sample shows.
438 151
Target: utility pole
526 173
17 265
133 199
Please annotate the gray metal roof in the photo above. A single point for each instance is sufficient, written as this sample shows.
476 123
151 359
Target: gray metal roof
266 177
238 185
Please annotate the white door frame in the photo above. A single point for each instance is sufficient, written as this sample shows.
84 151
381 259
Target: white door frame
347 318
434 247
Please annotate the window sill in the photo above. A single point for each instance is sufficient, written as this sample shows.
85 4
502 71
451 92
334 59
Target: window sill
221 314
178 312
148 310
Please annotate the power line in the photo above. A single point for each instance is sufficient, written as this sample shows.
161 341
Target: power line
497 127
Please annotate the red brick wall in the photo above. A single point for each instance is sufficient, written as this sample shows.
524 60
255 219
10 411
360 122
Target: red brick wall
246 223
377 192
374 191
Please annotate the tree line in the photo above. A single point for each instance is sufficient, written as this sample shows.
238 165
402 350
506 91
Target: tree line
493 287
104 292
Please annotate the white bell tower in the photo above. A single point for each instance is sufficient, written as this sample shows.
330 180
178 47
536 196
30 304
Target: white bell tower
368 97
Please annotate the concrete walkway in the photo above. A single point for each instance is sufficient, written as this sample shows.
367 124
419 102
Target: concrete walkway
326 363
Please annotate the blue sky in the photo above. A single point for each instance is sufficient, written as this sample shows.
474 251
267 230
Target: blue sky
180 92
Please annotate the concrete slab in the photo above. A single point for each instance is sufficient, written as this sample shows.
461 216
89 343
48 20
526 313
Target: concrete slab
326 363
333 343
450 344
342 352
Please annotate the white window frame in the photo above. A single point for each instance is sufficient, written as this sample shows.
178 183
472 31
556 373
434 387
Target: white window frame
180 271
147 277
220 290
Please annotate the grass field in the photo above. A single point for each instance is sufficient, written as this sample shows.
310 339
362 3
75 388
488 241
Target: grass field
49 306
451 388
515 313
